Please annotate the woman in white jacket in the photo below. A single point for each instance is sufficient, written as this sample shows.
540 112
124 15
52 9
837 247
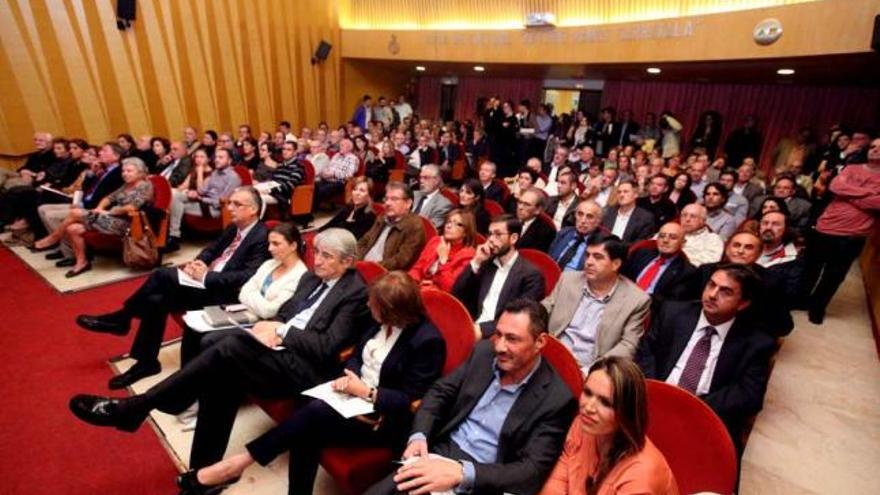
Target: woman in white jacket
277 278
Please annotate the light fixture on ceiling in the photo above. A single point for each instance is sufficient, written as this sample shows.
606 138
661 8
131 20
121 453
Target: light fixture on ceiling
579 86
653 70
420 68
785 72
479 68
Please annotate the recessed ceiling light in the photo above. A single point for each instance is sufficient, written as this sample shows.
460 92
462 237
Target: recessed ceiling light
420 68
479 68
579 86
785 72
653 70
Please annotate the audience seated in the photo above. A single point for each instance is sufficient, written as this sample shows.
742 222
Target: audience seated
399 358
497 275
470 197
561 207
560 160
504 383
780 257
288 174
201 193
596 312
397 237
110 216
486 173
214 277
526 178
179 165
536 233
661 270
297 351
446 255
330 180
569 248
657 200
607 450
427 201
36 162
681 194
718 218
798 208
737 204
746 184
358 215
701 245
626 220
714 348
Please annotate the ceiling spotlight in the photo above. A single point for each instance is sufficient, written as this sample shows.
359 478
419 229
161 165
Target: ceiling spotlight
653 70
420 68
479 68
785 72
579 86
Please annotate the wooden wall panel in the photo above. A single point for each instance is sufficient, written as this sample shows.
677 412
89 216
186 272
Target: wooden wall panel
210 63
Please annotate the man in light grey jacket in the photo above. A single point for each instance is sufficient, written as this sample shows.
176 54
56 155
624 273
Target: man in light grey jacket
428 201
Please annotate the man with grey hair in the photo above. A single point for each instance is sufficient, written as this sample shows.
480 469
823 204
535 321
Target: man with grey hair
701 244
214 277
36 162
275 359
397 237
428 201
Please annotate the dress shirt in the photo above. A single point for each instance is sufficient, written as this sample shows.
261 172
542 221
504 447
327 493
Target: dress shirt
782 254
621 221
663 267
170 169
490 303
561 209
219 184
375 351
100 179
428 198
721 331
853 210
697 189
580 334
341 166
703 247
552 189
602 196
721 222
577 261
525 226
404 110
301 319
243 233
377 252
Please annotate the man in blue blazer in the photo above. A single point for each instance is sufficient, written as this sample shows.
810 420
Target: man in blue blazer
570 245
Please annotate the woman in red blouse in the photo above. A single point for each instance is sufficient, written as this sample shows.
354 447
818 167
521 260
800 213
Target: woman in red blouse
445 256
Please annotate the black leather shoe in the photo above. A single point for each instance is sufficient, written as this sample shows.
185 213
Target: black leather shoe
75 273
55 256
188 483
172 245
42 249
816 316
135 373
110 323
65 262
106 411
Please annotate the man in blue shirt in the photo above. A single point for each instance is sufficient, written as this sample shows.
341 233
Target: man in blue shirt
497 423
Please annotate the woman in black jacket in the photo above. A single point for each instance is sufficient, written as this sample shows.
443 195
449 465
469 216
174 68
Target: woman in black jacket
358 216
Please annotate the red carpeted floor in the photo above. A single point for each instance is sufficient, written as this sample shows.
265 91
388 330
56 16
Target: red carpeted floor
44 360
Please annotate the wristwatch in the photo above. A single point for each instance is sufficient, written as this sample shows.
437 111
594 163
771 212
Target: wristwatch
280 331
371 397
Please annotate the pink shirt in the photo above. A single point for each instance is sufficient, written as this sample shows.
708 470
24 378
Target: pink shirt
856 204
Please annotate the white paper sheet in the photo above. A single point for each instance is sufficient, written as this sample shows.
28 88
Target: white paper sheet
185 280
348 406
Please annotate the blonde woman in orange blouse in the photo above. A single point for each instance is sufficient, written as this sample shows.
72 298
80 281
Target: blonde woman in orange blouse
606 451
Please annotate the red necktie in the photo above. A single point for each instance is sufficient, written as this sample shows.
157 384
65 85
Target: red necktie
650 274
227 253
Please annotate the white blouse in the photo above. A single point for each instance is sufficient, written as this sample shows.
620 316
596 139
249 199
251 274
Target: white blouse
266 305
375 351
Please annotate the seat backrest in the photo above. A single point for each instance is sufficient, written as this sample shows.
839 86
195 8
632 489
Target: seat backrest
643 244
399 160
450 316
451 196
565 364
161 192
370 270
549 268
547 219
244 174
493 208
504 189
430 230
379 208
309 173
693 439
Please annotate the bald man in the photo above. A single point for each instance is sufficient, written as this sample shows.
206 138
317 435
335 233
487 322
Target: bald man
659 270
702 245
36 162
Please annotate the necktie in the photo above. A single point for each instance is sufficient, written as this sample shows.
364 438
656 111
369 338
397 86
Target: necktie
650 274
569 253
314 296
696 363
227 253
421 203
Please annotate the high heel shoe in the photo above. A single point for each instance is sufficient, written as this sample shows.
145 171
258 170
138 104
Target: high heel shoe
189 484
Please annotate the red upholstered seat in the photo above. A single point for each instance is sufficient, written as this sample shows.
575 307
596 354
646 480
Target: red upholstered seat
564 362
356 468
204 225
493 208
643 244
370 270
546 264
451 196
430 230
692 438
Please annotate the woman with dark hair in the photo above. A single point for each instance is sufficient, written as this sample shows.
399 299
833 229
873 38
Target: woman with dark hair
681 193
358 215
396 363
379 166
446 255
470 198
276 279
160 149
267 164
249 156
362 148
607 450
707 134
126 141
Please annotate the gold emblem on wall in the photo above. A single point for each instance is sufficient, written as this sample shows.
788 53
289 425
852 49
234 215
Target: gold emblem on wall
393 45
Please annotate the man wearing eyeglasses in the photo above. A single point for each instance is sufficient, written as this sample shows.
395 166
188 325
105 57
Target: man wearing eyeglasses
214 277
397 237
536 232
428 201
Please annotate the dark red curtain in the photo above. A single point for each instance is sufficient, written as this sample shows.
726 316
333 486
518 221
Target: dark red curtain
470 89
781 109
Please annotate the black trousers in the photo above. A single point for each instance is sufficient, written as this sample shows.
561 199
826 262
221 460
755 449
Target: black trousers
447 449
310 429
160 295
828 258
219 378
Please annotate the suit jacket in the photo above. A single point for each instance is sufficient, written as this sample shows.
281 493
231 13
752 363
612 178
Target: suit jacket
250 254
669 286
336 324
640 225
560 243
663 210
524 280
741 373
495 192
179 174
752 191
533 433
412 365
434 209
539 236
109 182
403 245
623 319
568 218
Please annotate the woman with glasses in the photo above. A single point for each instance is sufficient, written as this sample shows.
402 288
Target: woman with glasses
445 256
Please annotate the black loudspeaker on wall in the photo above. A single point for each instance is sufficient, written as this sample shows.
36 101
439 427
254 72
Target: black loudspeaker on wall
875 40
322 52
125 14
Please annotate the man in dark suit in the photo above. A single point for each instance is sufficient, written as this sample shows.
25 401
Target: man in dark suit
537 233
497 423
214 277
179 164
487 172
660 270
657 201
798 208
627 221
496 275
561 208
276 359
713 349
570 246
